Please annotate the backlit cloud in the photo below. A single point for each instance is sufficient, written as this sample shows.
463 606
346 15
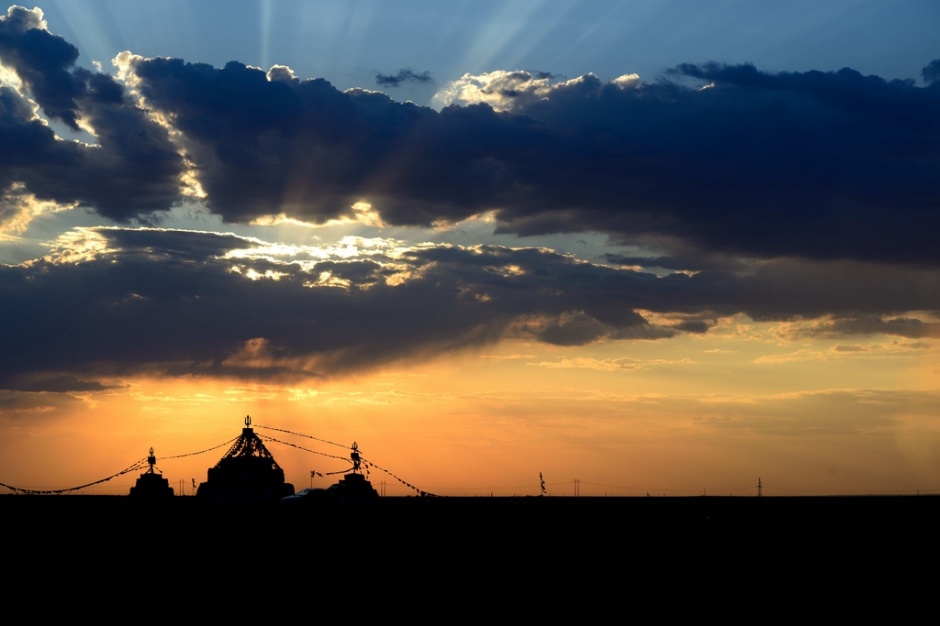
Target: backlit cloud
820 165
112 302
816 165
775 197
131 172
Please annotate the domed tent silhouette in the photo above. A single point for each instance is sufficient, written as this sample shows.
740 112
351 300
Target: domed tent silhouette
246 473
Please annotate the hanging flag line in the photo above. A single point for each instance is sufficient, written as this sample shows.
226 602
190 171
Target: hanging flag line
136 466
407 484
144 462
180 456
293 445
281 430
333 443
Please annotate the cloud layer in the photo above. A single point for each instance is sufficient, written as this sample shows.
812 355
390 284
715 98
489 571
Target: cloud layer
162 302
815 165
821 166
777 196
131 172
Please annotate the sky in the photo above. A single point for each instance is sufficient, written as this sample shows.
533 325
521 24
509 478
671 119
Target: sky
571 248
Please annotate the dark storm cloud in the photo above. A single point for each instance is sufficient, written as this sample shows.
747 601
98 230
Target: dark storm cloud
305 149
181 246
678 262
43 61
866 325
931 73
403 76
831 165
56 383
133 171
171 303
819 165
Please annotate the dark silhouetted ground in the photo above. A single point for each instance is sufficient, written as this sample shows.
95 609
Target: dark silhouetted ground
534 550
749 526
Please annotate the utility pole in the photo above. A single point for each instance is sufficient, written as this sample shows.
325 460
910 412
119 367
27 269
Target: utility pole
760 487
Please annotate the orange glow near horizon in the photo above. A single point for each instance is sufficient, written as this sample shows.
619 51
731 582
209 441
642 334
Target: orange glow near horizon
593 424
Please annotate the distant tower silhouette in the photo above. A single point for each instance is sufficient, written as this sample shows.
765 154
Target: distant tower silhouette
760 487
150 484
356 459
354 488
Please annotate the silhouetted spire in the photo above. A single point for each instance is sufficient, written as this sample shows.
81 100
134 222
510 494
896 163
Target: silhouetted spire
247 472
150 484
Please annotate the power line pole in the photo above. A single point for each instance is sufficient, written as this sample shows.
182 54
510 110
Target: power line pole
760 487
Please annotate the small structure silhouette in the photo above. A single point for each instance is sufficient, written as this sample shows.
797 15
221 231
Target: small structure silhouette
246 473
352 490
356 459
150 484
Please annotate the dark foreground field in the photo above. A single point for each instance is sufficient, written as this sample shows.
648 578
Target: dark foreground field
707 525
446 558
